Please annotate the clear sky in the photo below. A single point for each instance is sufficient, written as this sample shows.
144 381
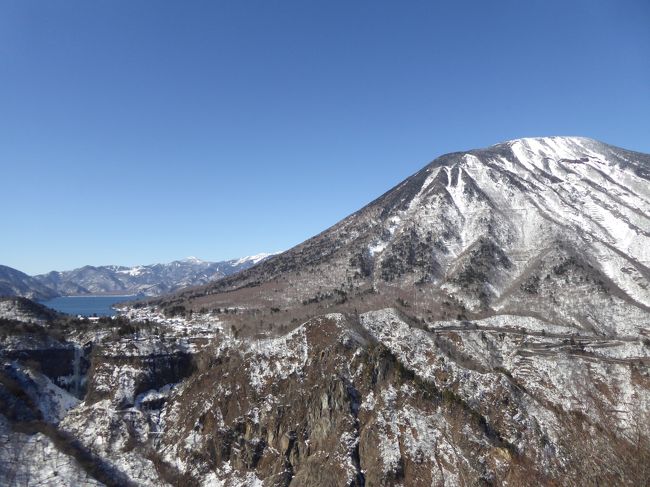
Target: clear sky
135 131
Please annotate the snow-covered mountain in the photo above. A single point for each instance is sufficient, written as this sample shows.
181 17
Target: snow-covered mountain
483 231
485 322
149 280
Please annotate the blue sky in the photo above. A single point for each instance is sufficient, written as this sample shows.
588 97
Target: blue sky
134 132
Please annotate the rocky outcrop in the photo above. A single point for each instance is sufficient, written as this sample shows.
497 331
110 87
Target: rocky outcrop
382 402
121 370
375 399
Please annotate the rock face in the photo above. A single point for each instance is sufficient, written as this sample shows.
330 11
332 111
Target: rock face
486 322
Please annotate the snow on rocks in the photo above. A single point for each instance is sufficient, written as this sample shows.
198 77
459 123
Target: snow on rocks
484 361
52 401
112 434
278 358
35 460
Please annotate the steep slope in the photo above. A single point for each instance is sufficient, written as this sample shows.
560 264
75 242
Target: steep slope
560 224
16 283
149 280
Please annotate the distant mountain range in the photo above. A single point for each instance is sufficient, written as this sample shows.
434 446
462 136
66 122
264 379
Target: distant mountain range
149 280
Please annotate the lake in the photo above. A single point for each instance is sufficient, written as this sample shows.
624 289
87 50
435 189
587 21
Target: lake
87 305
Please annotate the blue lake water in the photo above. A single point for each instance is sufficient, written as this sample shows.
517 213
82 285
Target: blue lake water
87 305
